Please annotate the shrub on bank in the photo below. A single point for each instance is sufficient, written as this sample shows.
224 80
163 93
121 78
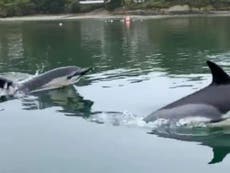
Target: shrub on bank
113 4
72 6
25 7
16 8
49 6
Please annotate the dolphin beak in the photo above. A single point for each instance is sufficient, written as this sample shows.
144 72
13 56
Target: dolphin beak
80 72
85 70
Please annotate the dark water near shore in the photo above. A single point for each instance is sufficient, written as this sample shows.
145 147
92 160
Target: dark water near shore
96 126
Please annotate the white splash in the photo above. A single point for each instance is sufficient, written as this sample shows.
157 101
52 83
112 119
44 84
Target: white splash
193 122
124 118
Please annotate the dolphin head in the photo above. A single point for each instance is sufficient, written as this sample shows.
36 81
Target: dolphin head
75 75
77 72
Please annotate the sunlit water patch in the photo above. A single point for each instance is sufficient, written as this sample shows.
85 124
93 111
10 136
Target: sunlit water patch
222 59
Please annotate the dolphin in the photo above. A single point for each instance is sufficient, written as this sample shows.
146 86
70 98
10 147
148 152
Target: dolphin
211 103
56 78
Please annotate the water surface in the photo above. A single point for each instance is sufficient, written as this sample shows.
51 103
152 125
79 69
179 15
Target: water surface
96 125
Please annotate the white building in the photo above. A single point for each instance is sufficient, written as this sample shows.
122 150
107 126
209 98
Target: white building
138 1
93 1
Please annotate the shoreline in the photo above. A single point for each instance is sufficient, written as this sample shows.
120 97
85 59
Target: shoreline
107 15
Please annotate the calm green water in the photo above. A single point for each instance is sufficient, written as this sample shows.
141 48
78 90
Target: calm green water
96 126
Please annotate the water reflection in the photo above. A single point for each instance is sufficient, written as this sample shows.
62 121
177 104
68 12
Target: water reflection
174 46
70 102
137 69
218 139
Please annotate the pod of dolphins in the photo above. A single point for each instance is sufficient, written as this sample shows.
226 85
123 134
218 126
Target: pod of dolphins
211 103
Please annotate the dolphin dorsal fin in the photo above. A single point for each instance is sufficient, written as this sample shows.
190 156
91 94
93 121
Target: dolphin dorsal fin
219 76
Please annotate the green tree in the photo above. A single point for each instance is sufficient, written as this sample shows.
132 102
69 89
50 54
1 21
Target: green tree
113 4
49 6
16 7
72 6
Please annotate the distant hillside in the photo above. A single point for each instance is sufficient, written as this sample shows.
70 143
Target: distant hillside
218 4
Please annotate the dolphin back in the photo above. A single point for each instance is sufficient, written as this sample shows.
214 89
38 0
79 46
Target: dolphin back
210 103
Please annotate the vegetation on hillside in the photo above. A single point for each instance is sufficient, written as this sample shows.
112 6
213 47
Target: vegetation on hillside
26 7
217 4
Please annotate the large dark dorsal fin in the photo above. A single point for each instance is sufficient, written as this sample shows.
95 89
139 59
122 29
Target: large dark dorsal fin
219 76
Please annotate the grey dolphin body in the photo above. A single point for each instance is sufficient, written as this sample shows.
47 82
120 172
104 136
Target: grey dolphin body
211 103
52 79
